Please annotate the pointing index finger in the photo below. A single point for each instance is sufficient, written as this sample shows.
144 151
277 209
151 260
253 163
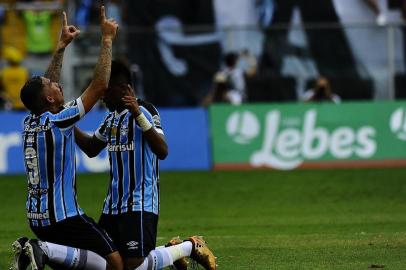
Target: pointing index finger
65 21
102 13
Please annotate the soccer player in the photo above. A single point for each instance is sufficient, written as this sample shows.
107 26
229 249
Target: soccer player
68 238
134 138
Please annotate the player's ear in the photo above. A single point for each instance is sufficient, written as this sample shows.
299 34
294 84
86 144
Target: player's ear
50 99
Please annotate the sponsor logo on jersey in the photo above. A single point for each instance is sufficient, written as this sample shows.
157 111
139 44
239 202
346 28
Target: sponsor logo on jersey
39 128
31 215
121 147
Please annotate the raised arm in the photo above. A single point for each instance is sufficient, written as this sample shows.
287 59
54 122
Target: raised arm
68 33
102 70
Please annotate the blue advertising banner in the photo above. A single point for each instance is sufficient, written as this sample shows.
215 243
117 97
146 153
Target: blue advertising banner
186 131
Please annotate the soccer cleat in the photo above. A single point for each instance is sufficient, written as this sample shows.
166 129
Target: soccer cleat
202 254
182 263
37 256
21 261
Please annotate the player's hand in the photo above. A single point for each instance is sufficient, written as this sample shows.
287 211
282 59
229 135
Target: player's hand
108 26
130 102
69 32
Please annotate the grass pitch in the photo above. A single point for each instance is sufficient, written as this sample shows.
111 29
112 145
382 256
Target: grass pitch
331 219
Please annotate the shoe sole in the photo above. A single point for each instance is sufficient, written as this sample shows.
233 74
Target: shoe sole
17 249
29 251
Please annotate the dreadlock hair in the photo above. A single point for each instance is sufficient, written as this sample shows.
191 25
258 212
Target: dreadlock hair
120 74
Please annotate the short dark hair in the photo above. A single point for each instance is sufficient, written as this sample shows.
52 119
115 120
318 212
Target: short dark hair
31 95
120 73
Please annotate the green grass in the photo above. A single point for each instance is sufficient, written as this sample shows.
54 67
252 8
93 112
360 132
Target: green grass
331 219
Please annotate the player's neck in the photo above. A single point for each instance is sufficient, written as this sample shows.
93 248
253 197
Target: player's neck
120 109
53 108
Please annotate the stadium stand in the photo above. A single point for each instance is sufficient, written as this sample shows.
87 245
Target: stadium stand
271 88
349 87
400 86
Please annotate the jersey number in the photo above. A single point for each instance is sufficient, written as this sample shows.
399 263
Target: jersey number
32 165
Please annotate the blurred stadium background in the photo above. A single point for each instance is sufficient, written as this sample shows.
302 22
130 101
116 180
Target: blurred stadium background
285 120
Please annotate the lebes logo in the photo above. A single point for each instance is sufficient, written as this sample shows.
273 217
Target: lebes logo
243 127
398 123
286 146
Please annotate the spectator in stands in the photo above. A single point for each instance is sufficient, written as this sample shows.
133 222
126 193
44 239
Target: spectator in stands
12 78
2 20
329 48
321 92
82 16
222 93
374 6
2 13
234 74
37 17
400 5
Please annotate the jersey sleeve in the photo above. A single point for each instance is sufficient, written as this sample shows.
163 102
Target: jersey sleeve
72 112
153 116
101 131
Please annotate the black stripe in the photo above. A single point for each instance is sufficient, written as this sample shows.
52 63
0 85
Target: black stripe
119 164
110 202
67 122
131 164
82 259
49 141
104 125
110 189
34 145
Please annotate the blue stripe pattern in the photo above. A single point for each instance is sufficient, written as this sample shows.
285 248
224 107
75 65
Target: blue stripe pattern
68 262
141 193
49 157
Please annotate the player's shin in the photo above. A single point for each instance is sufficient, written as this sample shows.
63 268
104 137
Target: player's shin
73 258
165 256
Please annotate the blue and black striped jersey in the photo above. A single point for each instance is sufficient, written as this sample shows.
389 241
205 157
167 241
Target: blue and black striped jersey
49 158
134 168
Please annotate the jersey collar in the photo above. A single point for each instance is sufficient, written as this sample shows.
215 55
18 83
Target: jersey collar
116 114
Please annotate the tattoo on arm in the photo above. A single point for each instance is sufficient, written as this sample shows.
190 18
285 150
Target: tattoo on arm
103 67
54 69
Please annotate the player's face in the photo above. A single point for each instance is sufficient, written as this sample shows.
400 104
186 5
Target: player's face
53 91
113 97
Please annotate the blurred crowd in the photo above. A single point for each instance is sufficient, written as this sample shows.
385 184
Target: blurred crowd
29 31
243 74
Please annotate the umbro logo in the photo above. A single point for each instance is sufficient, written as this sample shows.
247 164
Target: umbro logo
132 245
